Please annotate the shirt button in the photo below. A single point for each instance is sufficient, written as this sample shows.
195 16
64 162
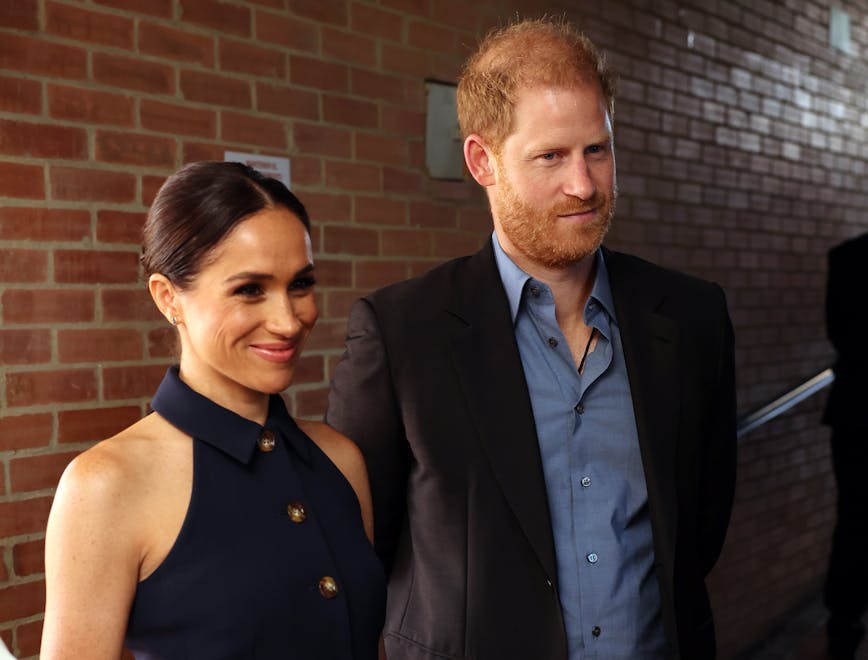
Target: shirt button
586 481
580 408
296 512
328 588
595 631
592 558
266 440
553 342
534 291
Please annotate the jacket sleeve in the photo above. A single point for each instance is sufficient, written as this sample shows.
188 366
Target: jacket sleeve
362 405
718 468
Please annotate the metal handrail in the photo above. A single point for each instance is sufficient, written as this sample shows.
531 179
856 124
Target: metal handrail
785 401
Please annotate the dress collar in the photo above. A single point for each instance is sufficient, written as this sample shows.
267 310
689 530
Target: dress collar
234 435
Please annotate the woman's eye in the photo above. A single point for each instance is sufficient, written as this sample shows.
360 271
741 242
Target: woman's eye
248 290
302 284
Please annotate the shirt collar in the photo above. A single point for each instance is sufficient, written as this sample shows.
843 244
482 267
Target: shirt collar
514 280
234 435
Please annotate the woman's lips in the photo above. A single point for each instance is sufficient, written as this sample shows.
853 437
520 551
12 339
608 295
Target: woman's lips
274 352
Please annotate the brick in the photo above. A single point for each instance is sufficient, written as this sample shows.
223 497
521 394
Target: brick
32 473
333 272
239 57
119 226
253 129
408 123
20 95
99 345
350 112
375 274
23 265
128 305
218 16
130 382
135 150
307 171
31 388
406 243
85 25
350 240
18 223
94 424
334 12
42 140
322 140
20 14
151 184
354 48
323 207
88 105
380 210
163 343
338 304
431 37
174 44
4 574
288 32
80 184
310 72
19 517
25 431
407 61
475 219
193 151
25 346
353 176
449 244
375 21
29 636
133 73
402 182
21 181
159 8
382 149
394 89
46 306
287 101
19 601
215 89
178 120
426 214
28 558
91 266
41 57
311 403
309 369
329 335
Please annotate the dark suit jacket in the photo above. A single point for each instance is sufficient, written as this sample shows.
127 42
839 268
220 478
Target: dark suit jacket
846 321
432 389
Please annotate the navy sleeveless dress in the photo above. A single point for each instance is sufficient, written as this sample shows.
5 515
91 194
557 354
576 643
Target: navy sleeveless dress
272 560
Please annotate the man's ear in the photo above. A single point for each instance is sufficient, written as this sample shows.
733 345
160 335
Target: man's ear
480 160
165 297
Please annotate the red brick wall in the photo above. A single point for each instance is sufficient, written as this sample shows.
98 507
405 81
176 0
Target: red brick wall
741 149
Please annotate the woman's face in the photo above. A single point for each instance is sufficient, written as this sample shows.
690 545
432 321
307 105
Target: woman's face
245 317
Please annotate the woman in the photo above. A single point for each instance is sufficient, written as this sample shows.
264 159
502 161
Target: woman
218 527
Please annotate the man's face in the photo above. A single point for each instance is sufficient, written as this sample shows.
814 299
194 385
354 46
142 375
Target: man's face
555 191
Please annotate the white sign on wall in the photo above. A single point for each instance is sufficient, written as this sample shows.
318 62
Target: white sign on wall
276 168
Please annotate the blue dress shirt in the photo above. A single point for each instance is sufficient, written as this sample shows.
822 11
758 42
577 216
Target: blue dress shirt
593 472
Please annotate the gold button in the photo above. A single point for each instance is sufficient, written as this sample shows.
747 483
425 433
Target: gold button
328 588
296 512
266 440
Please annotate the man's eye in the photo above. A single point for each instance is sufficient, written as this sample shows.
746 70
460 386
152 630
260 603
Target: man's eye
549 156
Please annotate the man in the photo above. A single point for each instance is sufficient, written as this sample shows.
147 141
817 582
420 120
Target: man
549 425
846 592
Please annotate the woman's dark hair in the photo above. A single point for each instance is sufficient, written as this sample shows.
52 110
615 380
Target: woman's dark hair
198 206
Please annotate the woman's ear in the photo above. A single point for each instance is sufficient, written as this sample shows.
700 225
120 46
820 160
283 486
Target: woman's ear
165 297
480 160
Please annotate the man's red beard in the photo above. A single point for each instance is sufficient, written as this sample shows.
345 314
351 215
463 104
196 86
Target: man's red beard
542 236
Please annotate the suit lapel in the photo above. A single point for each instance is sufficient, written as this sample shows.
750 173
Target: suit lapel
489 367
650 341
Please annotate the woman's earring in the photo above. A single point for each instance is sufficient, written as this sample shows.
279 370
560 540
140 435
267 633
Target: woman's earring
173 320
